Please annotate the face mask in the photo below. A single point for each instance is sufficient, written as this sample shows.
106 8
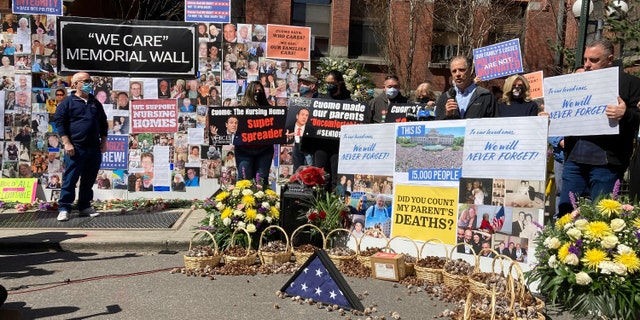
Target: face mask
515 92
332 88
424 99
86 88
391 92
256 97
305 89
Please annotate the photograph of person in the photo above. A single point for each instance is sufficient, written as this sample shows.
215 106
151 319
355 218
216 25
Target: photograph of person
524 193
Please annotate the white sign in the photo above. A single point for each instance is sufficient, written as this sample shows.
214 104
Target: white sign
509 148
367 149
577 102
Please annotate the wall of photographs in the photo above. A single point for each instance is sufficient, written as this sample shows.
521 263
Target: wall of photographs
230 57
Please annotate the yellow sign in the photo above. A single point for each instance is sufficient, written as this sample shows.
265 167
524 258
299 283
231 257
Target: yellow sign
18 190
424 212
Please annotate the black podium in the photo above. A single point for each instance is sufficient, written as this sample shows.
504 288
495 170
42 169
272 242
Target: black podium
293 198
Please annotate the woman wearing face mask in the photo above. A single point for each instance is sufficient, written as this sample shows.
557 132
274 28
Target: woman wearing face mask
254 160
516 100
380 105
336 88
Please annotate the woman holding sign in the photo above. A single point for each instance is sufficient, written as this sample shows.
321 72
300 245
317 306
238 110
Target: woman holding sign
254 161
516 100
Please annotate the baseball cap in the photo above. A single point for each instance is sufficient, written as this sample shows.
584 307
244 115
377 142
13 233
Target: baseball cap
308 78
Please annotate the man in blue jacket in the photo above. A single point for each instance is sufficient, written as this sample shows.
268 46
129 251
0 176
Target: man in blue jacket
82 125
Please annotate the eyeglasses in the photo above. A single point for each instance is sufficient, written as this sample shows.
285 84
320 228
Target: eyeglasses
85 81
59 95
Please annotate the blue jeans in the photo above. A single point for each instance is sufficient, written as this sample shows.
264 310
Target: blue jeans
254 161
85 163
586 180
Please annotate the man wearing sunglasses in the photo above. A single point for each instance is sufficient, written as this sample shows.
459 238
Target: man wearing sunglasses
82 125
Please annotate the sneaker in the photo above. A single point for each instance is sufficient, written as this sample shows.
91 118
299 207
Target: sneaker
63 215
89 212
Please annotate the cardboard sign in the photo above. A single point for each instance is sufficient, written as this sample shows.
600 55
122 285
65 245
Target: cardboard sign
154 115
18 190
536 89
288 42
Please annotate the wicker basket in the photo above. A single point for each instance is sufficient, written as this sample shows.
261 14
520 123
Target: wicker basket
339 260
454 280
248 259
276 258
409 267
201 262
432 275
481 288
364 260
519 288
301 257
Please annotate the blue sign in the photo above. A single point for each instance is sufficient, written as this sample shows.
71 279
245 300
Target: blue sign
117 155
50 7
217 11
498 60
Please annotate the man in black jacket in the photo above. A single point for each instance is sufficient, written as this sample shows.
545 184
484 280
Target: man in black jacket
379 106
465 100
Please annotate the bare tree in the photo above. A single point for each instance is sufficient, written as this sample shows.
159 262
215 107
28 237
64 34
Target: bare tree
149 9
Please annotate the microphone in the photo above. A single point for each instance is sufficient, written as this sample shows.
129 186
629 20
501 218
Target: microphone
451 93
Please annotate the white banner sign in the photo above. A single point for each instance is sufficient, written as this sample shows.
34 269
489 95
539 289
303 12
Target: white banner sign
367 149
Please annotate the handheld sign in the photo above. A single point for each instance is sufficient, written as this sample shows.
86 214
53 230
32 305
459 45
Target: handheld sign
498 60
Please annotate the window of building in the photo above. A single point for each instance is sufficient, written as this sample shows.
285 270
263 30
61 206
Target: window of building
362 38
317 15
238 9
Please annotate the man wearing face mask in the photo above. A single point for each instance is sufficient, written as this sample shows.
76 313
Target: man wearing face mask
380 105
82 125
308 86
465 100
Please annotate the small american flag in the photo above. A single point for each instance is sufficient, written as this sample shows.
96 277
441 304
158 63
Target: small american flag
321 281
498 220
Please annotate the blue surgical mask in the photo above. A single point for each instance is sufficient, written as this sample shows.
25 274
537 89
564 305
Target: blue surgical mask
305 89
332 88
391 92
86 88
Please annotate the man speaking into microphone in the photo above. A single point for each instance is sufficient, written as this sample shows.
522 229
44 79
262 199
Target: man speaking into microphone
465 100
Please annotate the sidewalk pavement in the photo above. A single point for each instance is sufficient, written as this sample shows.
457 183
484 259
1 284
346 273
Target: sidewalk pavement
104 240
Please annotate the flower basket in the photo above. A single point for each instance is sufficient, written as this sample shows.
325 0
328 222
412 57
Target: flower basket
365 256
249 258
409 266
479 282
456 272
520 293
301 257
433 275
276 258
338 260
201 262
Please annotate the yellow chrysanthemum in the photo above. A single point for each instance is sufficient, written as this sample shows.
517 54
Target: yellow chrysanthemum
598 230
593 257
270 192
275 213
563 252
636 222
562 221
227 212
221 196
629 260
249 200
251 214
609 207
243 184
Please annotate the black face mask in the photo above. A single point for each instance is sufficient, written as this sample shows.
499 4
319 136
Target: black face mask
423 99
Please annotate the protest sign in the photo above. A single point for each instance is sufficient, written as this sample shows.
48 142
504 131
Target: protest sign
510 148
403 112
423 212
214 11
253 125
288 42
367 149
117 154
18 190
48 7
429 152
154 115
576 103
498 60
113 47
327 116
535 80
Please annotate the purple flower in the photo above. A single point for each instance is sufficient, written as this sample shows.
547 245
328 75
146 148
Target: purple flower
616 190
572 197
244 173
575 250
1 204
638 235
579 243
535 223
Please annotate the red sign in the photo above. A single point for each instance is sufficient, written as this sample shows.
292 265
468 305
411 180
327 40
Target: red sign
154 115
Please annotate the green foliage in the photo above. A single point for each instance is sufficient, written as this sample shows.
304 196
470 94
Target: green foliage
356 77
